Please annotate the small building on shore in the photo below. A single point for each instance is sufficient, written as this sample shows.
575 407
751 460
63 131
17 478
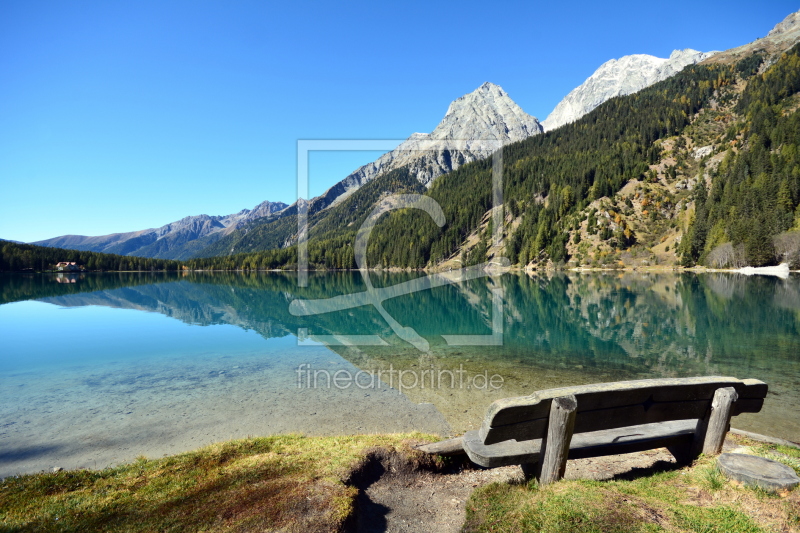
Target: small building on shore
68 266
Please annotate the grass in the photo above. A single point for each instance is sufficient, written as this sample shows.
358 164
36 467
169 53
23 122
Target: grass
287 483
692 499
294 483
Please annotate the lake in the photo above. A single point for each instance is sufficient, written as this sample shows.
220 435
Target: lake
97 369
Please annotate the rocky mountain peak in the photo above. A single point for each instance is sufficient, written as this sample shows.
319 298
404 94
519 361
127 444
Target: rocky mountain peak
618 77
485 114
787 25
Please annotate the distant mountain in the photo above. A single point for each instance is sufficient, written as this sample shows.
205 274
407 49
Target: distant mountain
485 114
702 167
618 77
176 240
780 38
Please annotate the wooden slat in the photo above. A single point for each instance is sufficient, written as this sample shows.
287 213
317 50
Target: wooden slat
715 425
747 405
592 444
555 448
452 446
505 453
629 415
653 400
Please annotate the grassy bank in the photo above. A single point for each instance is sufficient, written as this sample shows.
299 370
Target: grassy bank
287 483
692 499
309 484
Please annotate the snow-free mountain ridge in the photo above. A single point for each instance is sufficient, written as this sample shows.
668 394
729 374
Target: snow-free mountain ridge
618 77
481 119
177 240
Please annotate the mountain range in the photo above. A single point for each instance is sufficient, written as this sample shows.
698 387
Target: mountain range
176 240
618 77
488 113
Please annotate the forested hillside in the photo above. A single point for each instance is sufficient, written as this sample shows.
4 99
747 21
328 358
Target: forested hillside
19 257
755 191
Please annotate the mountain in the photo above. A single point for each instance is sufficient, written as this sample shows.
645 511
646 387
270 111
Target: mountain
486 114
618 77
176 240
780 38
701 168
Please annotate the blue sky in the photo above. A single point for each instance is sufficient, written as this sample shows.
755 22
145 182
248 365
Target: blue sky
118 116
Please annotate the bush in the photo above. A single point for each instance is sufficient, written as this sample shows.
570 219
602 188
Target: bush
787 248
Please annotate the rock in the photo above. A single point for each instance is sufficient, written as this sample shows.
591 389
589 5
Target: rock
700 153
786 27
756 471
487 113
618 77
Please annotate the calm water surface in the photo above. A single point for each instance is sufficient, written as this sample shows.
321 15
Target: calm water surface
104 367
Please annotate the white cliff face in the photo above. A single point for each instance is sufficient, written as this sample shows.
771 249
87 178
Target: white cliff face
619 77
475 125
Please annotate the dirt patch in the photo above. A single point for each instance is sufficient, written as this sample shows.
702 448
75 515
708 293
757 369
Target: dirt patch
408 491
398 493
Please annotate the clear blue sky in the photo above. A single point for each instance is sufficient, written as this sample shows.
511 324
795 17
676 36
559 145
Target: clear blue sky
118 116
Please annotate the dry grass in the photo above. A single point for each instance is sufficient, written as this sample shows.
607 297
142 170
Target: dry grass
695 498
286 483
307 484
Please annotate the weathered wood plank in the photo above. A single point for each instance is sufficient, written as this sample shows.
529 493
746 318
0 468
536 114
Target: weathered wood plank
629 415
620 393
632 439
648 401
505 453
452 446
754 388
555 448
711 429
747 405
677 433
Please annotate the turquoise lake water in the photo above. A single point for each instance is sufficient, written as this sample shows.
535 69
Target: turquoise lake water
96 369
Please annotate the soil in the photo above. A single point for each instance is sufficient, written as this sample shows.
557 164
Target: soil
398 494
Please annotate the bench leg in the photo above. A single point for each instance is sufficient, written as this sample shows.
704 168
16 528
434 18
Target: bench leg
529 470
555 445
683 455
712 428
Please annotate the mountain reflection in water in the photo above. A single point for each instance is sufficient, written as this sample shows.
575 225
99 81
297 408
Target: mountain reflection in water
558 329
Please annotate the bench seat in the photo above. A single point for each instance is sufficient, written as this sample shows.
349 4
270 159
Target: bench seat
688 416
675 433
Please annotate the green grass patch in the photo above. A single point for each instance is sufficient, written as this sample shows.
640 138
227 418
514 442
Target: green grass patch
589 507
697 498
285 482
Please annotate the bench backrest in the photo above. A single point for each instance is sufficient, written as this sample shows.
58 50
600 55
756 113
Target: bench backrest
619 404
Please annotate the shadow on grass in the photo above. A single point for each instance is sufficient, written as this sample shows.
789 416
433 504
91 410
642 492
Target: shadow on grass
641 472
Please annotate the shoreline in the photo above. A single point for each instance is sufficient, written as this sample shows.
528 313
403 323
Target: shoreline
765 439
400 270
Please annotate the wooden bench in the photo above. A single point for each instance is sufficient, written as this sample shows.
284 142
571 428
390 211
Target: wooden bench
688 416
